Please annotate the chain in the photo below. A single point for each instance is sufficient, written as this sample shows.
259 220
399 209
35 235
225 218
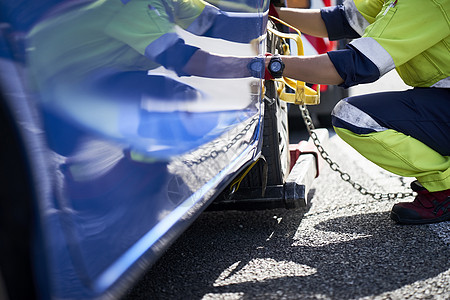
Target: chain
335 167
214 153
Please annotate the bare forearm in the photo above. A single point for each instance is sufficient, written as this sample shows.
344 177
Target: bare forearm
308 21
205 64
311 69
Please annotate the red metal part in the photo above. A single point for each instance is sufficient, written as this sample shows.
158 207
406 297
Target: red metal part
304 147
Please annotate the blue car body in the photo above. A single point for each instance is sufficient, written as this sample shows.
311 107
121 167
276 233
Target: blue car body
112 184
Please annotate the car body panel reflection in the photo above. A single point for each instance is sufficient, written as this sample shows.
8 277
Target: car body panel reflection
133 146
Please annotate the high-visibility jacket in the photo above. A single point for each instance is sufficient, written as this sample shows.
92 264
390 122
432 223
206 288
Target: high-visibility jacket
411 35
128 35
404 132
111 35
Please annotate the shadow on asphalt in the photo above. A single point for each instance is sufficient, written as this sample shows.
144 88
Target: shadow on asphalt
383 258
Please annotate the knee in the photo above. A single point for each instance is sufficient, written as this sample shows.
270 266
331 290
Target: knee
347 116
337 114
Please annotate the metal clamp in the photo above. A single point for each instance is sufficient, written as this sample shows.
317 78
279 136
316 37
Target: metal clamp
304 95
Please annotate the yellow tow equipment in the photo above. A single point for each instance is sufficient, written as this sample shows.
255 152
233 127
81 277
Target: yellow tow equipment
303 93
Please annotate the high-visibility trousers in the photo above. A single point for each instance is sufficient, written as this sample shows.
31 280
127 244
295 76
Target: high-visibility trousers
404 132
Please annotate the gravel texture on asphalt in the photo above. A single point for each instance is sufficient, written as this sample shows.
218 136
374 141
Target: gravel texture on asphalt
342 246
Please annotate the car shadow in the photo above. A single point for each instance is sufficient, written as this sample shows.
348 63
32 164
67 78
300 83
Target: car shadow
254 255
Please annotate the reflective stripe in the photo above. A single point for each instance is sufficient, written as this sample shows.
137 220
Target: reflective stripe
354 116
354 17
444 83
160 45
244 15
204 21
376 53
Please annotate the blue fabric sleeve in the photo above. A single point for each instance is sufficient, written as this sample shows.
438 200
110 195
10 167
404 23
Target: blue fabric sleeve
176 57
353 66
241 29
337 24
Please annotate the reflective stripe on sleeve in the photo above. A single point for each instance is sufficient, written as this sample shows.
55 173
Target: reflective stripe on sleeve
354 17
204 21
356 117
161 44
376 53
216 23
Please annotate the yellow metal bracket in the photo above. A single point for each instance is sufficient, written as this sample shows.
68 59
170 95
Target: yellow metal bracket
303 93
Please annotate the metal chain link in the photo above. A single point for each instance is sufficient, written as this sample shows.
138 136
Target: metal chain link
213 153
335 167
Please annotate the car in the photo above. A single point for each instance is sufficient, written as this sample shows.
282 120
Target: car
96 182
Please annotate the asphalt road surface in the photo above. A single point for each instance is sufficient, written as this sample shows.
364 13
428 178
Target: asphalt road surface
342 246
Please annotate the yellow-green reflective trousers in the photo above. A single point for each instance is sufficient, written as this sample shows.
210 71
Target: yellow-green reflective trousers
402 155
